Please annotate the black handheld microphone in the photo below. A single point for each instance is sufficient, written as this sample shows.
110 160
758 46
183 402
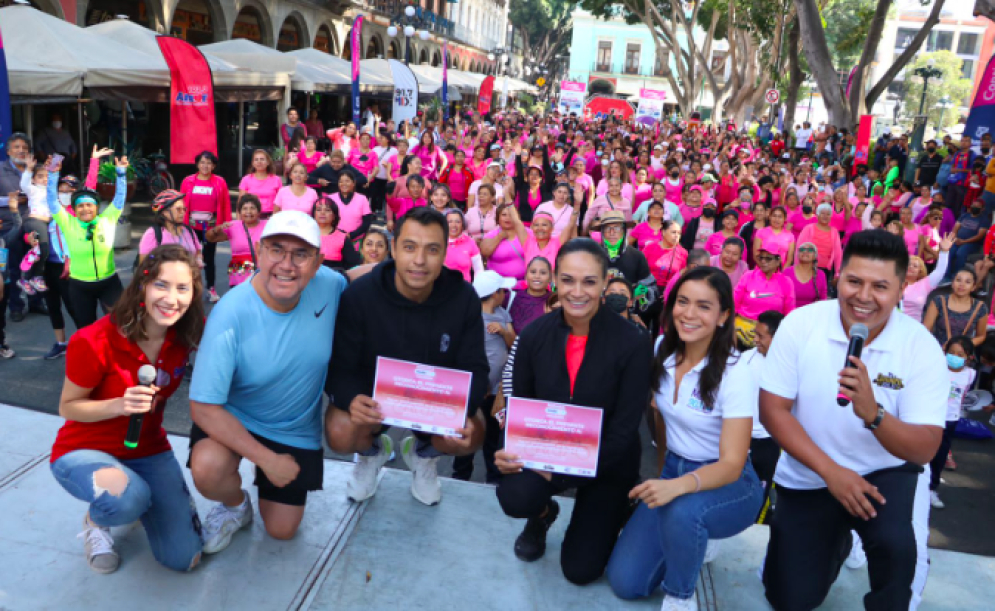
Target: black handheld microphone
858 335
146 377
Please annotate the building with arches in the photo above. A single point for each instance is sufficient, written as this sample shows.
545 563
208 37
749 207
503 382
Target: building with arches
473 28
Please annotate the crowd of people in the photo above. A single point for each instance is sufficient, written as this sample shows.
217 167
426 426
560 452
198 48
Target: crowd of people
651 272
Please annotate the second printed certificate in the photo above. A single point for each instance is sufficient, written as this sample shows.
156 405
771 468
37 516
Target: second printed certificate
422 397
555 437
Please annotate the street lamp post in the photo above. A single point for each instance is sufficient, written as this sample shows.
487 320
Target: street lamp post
943 105
919 125
409 23
502 56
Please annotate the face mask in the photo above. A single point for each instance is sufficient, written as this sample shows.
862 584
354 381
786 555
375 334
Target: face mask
985 149
931 150
65 199
674 174
975 211
954 361
708 213
57 124
620 303
807 209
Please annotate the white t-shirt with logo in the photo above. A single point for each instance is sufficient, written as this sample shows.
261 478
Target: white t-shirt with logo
756 363
694 428
801 138
960 383
907 369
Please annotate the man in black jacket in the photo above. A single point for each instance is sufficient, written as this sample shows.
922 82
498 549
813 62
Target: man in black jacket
327 176
411 309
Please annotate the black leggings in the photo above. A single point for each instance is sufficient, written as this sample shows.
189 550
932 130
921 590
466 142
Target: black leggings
209 250
57 295
86 295
940 460
378 194
33 225
810 538
463 465
600 511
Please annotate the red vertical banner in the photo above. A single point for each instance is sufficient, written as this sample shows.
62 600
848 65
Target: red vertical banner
865 132
191 101
484 98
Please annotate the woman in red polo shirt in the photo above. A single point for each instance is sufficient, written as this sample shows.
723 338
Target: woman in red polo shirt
157 321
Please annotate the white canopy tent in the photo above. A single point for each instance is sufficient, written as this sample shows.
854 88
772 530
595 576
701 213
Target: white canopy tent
341 70
49 56
428 83
226 75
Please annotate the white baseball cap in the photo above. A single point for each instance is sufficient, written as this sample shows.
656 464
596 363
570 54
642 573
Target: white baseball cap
294 223
487 282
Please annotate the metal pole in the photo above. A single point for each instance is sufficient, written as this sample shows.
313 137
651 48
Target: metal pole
925 86
29 123
124 128
241 134
83 148
808 113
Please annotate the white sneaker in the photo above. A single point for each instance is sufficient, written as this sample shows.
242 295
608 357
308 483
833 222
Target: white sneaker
712 550
365 475
425 486
857 557
222 522
99 547
934 500
672 603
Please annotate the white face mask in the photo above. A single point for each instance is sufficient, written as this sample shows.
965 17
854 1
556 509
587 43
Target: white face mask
57 124
64 199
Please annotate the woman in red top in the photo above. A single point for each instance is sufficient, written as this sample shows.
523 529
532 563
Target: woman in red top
208 205
157 322
458 177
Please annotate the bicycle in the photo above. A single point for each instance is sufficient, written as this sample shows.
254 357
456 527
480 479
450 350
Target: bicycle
153 173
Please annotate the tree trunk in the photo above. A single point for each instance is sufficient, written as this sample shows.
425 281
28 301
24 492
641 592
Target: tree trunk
902 60
820 60
856 100
795 76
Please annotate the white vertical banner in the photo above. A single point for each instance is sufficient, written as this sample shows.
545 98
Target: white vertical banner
572 96
405 91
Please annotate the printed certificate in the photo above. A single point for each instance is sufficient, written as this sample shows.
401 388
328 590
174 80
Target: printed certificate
554 437
422 397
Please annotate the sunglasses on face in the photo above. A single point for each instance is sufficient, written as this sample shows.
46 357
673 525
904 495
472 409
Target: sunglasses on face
806 250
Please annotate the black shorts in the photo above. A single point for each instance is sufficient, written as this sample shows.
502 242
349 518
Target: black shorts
311 462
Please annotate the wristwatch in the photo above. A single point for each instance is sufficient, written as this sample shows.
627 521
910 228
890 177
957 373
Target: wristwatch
877 420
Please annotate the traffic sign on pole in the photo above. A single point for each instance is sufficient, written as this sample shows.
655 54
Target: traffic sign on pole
772 96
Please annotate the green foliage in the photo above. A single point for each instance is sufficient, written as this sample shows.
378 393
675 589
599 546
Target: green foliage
108 173
846 24
950 85
539 16
432 110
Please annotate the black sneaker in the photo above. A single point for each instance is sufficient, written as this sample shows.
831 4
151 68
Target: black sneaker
57 350
531 544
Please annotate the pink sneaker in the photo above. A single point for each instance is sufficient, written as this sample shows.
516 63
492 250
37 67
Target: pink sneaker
38 283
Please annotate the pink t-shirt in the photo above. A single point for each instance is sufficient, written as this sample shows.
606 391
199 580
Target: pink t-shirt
688 212
355 159
240 248
785 239
838 221
665 262
644 234
203 194
508 259
561 218
713 245
532 250
627 192
673 190
460 253
331 245
310 162
914 298
458 185
912 239
755 294
187 239
431 161
643 193
286 200
401 205
265 190
932 235
799 222
479 223
478 168
741 268
351 214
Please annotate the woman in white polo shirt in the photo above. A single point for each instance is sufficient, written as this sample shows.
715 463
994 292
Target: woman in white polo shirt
707 488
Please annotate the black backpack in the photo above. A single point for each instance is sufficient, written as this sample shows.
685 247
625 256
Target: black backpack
157 229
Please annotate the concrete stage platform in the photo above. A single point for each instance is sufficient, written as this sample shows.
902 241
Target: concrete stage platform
390 552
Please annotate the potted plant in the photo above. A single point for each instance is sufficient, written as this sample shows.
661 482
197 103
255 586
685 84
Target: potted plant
107 178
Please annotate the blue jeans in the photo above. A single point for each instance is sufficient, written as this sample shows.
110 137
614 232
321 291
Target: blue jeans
156 494
665 546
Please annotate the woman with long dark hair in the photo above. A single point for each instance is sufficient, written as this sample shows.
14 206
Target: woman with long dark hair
582 354
707 487
336 247
158 321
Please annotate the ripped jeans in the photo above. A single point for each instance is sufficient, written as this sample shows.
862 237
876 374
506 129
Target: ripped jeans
156 494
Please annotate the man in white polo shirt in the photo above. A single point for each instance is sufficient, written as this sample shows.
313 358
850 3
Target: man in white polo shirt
853 467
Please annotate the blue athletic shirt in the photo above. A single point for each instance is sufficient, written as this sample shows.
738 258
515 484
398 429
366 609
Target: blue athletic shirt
268 369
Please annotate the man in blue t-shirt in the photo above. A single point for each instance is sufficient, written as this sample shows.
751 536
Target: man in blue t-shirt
258 381
969 235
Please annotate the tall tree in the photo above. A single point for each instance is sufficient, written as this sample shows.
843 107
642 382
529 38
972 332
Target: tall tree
546 27
843 111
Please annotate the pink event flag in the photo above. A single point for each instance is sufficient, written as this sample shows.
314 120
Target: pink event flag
422 397
554 437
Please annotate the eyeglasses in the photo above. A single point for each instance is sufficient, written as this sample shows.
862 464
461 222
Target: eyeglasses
277 254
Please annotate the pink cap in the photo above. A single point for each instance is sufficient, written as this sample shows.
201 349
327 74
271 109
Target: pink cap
698 188
771 246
